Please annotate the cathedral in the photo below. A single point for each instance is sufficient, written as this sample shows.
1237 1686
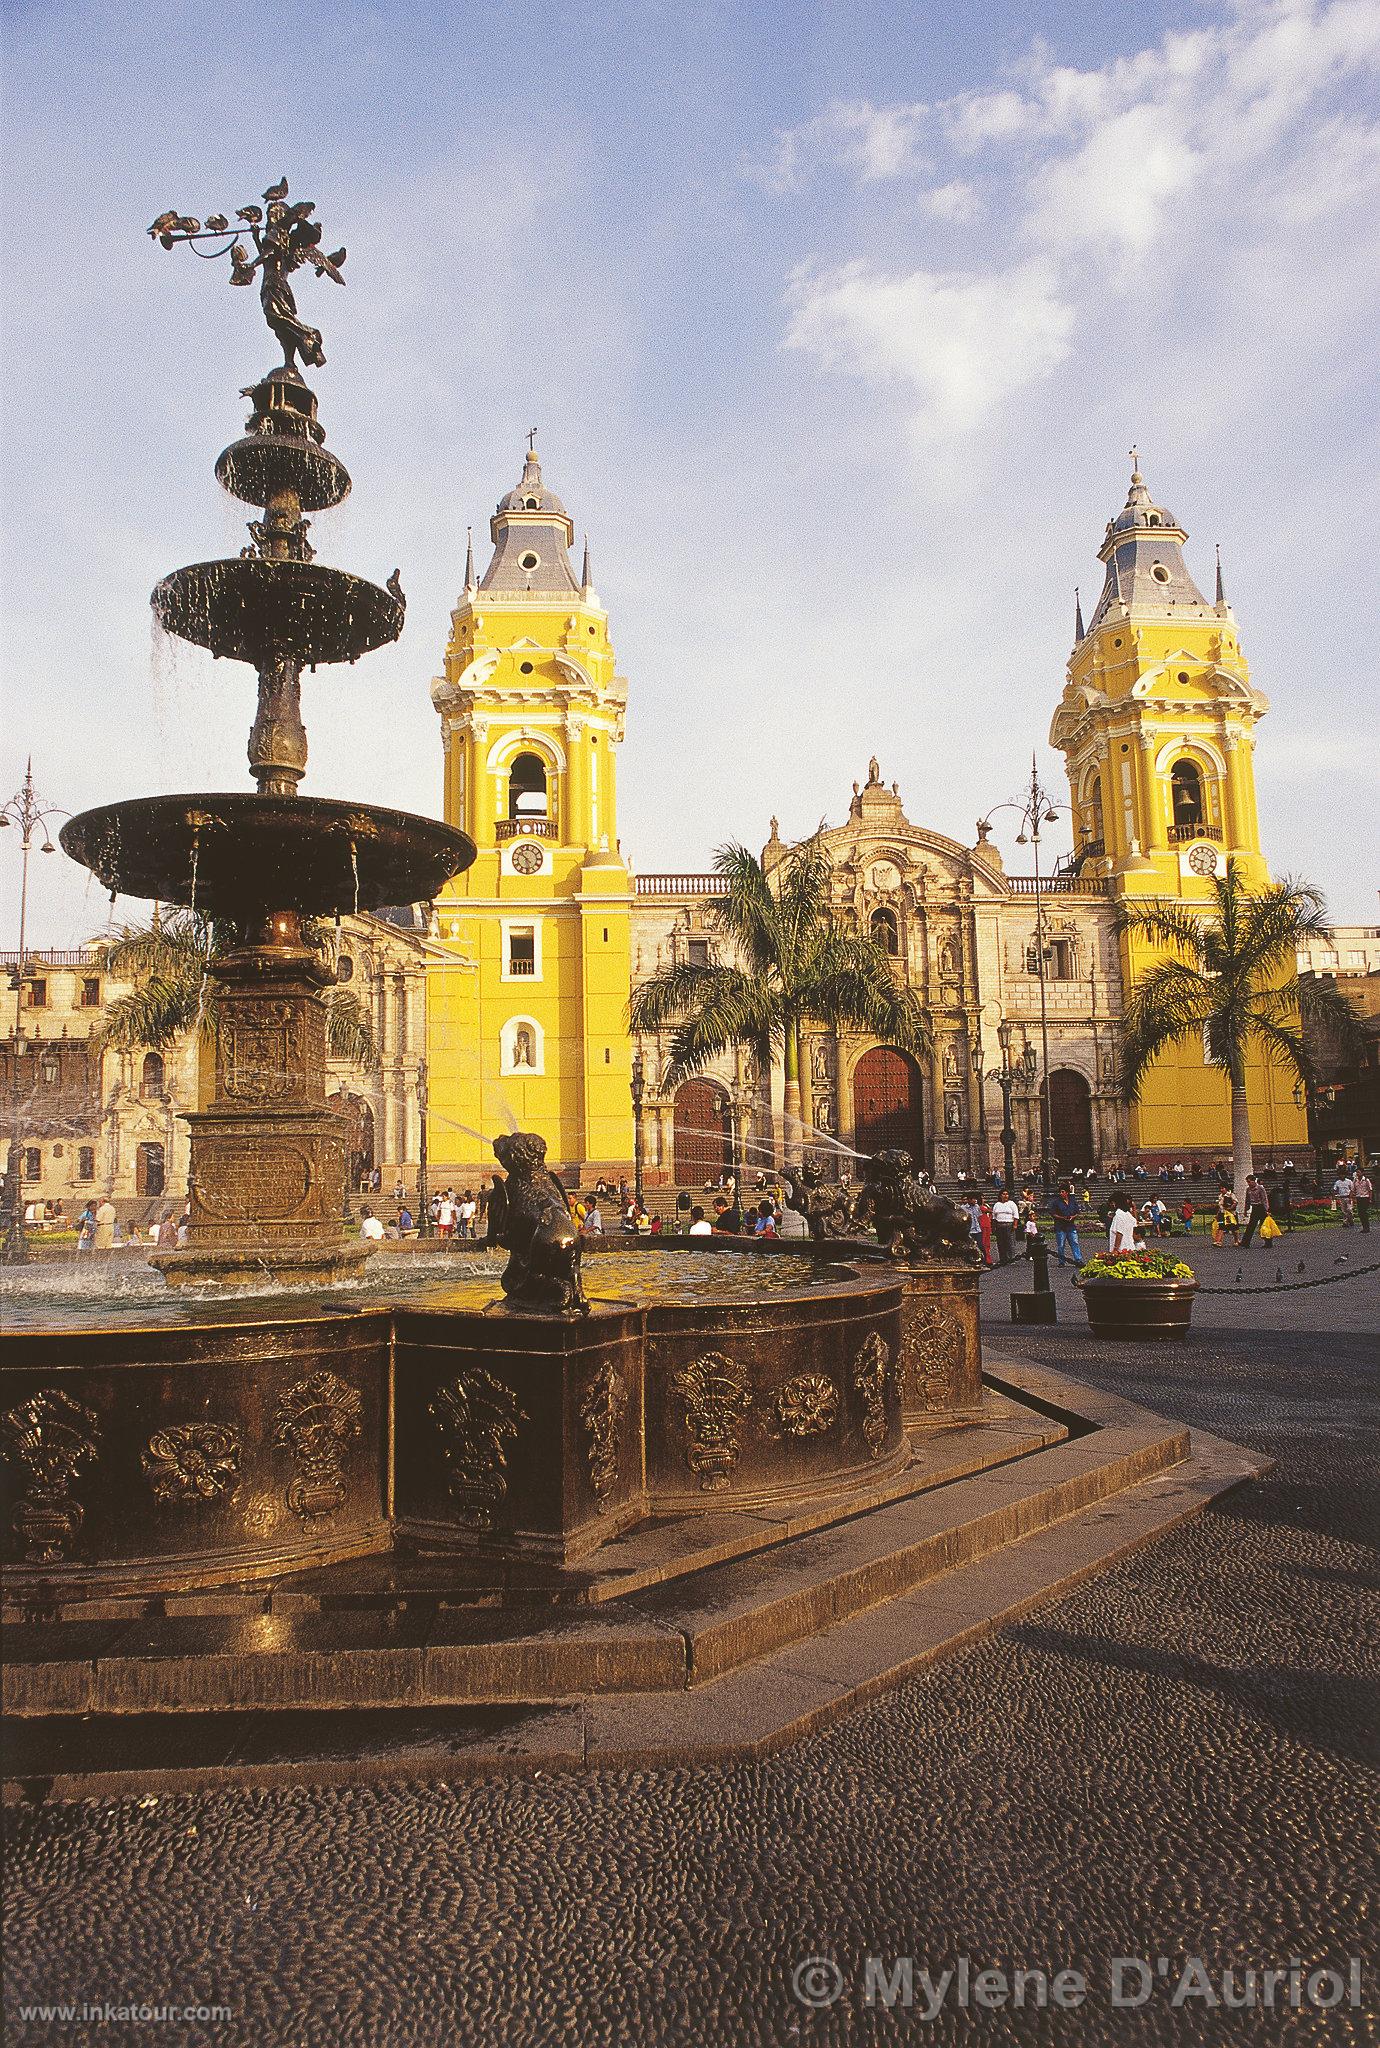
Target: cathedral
534 950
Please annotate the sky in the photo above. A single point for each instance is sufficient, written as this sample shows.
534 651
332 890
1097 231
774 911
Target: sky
836 320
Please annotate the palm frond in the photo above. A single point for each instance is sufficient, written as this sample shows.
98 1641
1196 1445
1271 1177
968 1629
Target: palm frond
159 1010
1171 1002
1168 924
349 1032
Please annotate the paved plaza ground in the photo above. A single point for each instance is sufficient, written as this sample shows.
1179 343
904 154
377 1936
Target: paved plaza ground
1178 1759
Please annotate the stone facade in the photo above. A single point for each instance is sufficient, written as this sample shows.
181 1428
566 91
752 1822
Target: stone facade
962 933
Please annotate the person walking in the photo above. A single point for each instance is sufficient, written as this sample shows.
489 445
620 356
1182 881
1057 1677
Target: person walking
1257 1207
1186 1215
1362 1192
1344 1194
593 1225
1121 1231
1065 1212
1224 1223
103 1238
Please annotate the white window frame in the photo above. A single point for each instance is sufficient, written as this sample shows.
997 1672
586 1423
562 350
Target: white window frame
508 926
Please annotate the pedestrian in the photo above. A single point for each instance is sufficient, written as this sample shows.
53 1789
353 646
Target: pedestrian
370 1226
1065 1212
1186 1215
593 1225
700 1226
399 1190
469 1214
1362 1192
985 1225
1344 1194
445 1216
86 1228
1122 1231
167 1232
1006 1215
973 1208
406 1224
104 1237
1225 1224
1257 1207
765 1226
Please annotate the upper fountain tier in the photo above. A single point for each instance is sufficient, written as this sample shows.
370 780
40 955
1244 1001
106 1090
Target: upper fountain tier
273 602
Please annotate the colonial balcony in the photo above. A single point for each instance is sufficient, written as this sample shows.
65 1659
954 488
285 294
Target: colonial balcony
1184 835
524 828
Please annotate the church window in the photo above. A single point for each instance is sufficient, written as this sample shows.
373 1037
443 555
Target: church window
86 1162
344 968
1154 519
527 787
529 560
91 992
1160 573
530 505
525 667
36 993
151 1076
1183 675
884 932
33 1163
697 952
522 949
1095 806
1186 786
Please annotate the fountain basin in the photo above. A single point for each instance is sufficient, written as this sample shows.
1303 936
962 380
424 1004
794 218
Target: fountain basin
233 853
248 609
213 1443
256 468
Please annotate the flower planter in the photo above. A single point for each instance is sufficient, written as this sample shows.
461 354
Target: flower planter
1139 1308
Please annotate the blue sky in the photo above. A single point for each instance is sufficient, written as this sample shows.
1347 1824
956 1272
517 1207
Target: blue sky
836 322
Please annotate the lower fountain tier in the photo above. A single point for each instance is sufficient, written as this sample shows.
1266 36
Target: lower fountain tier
237 854
248 609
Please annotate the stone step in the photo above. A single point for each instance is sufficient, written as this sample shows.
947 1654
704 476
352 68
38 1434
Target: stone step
747 1712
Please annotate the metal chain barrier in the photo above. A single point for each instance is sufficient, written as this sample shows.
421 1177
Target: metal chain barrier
1275 1287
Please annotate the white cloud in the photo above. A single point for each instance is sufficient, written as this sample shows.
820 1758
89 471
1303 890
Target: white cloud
872 142
960 343
1160 171
957 201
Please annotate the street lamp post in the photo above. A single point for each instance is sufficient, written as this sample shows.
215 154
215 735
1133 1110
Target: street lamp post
1036 808
638 1089
26 810
423 1182
1006 1079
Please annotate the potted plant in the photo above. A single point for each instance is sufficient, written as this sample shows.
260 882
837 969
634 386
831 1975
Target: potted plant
1138 1294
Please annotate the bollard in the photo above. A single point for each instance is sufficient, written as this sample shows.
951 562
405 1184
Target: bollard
1039 1306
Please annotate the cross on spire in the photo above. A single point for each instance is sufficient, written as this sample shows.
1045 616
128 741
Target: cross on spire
531 440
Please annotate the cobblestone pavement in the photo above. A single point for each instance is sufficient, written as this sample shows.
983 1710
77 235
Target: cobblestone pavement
1178 1759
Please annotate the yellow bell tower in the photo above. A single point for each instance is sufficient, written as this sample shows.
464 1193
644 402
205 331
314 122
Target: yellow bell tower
1157 727
529 984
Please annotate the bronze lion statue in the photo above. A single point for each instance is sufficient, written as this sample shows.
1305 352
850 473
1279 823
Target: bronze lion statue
911 1220
529 1215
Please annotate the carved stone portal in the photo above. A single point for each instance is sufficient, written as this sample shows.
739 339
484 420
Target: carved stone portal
716 1397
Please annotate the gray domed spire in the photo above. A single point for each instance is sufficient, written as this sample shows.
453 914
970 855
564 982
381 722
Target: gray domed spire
1143 551
532 534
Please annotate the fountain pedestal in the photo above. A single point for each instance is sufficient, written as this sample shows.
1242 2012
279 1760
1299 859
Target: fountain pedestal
268 1157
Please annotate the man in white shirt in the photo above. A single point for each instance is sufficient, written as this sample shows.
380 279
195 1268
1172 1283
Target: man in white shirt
1362 1188
593 1225
1006 1214
1343 1193
1121 1233
370 1226
699 1223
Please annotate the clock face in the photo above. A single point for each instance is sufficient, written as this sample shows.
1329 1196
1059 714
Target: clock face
1203 860
527 859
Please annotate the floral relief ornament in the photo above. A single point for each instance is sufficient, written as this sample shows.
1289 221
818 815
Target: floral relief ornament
715 1398
194 1461
53 1438
313 1422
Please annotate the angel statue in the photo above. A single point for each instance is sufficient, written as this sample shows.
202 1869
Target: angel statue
285 237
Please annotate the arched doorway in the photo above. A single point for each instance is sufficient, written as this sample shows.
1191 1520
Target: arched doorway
700 1134
1070 1119
359 1117
149 1176
888 1106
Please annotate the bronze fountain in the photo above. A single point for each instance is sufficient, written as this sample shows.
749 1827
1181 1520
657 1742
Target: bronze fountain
268 1164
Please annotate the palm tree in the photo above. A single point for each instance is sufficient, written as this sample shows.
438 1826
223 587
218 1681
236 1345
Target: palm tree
1230 979
168 960
795 964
